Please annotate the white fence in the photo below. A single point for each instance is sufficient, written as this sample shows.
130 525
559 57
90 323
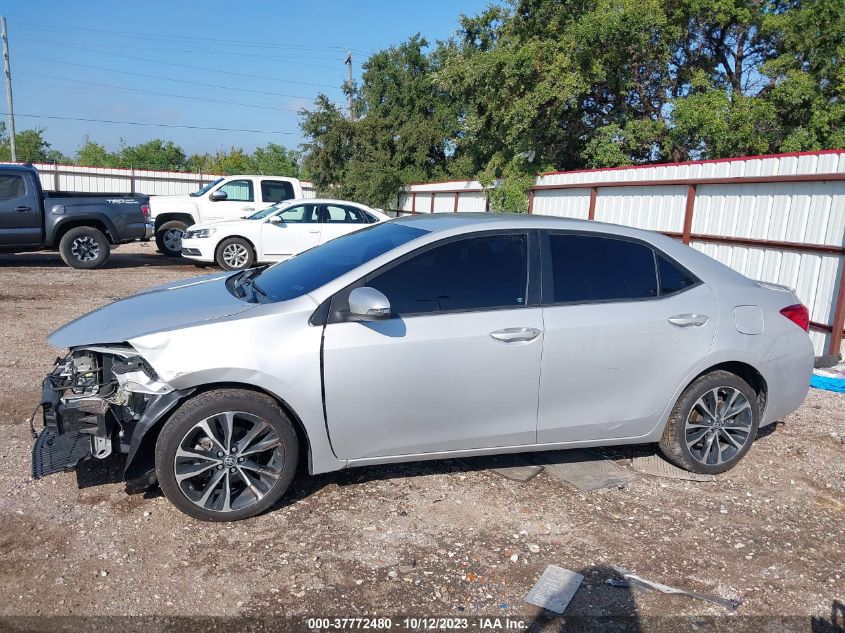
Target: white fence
56 177
778 218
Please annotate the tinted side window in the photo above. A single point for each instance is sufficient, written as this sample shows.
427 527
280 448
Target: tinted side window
476 273
304 213
276 191
586 268
672 278
344 215
238 191
11 187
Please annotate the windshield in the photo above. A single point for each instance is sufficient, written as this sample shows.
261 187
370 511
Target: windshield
206 188
260 215
318 266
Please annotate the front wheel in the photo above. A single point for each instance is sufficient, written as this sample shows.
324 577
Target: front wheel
235 253
84 247
226 455
712 425
169 238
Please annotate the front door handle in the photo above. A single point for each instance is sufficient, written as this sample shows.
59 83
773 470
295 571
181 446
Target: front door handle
247 208
688 320
314 231
515 334
23 209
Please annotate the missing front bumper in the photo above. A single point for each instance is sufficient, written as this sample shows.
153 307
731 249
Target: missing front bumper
53 453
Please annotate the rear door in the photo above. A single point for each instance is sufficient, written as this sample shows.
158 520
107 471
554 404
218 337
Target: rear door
298 230
340 219
20 212
456 367
624 325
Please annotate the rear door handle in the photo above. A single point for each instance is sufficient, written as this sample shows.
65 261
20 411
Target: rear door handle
247 208
688 320
515 334
23 209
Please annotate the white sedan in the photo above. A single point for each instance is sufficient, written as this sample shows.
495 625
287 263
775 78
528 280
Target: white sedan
276 233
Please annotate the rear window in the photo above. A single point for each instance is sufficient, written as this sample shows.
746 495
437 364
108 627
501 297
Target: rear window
11 187
320 265
276 191
589 268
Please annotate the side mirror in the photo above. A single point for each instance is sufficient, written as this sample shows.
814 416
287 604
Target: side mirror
368 304
275 219
218 196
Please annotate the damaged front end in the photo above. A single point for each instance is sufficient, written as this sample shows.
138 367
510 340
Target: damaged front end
99 400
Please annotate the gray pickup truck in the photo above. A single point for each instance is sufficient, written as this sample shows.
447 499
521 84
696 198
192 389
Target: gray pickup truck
81 226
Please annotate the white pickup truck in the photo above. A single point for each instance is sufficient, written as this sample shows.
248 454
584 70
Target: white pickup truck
227 198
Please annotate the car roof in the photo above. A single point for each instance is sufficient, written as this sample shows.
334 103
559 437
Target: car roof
322 201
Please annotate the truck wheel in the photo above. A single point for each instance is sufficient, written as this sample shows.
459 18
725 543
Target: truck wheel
169 238
226 455
235 253
84 247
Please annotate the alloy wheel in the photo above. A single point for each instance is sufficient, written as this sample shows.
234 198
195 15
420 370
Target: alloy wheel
235 255
85 248
173 240
718 426
229 461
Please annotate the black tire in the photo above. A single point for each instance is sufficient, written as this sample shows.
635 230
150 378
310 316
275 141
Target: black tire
84 247
162 237
214 403
715 387
245 259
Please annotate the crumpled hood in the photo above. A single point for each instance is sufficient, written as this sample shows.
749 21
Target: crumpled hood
166 307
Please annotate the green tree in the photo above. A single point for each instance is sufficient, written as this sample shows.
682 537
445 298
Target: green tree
154 154
94 155
30 146
404 131
276 160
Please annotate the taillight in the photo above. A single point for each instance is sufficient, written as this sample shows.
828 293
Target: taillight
799 315
145 209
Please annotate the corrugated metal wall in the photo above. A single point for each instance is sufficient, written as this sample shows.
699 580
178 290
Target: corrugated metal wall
765 230
107 180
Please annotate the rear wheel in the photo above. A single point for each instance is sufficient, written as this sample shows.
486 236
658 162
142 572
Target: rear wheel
712 425
169 237
235 253
84 247
226 455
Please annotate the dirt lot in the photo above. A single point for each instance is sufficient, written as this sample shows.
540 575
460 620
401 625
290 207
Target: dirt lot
436 538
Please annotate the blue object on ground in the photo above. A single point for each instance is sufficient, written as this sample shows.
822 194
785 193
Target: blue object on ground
828 383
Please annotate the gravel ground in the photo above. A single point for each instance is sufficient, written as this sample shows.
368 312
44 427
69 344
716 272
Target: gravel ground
436 538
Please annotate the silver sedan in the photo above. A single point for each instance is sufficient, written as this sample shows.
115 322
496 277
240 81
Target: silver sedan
425 338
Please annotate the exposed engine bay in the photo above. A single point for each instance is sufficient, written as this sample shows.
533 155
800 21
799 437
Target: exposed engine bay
93 402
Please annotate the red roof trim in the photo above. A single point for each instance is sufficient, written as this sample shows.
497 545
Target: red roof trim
698 162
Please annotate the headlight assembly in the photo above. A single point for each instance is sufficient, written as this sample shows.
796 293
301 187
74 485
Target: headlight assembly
199 233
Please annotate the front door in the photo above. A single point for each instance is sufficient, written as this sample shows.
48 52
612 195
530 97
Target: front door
623 326
239 202
20 213
297 229
456 367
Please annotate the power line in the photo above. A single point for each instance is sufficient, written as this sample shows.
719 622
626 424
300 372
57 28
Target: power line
47 26
161 94
180 81
144 123
288 59
202 68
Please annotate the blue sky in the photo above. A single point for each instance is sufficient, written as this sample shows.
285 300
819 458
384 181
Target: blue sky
79 60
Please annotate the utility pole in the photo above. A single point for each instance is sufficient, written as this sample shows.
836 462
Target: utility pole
9 92
348 62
